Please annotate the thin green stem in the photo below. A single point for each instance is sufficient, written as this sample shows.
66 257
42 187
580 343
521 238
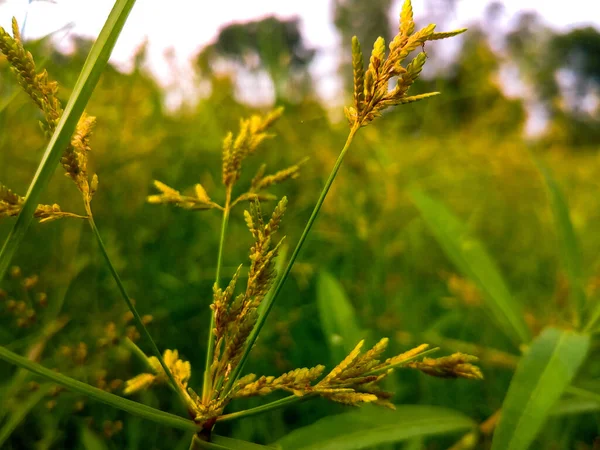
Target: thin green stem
138 352
265 408
138 409
210 349
136 317
270 301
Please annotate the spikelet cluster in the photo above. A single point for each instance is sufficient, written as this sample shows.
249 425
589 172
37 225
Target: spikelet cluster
356 379
371 92
199 201
23 304
235 317
37 85
457 365
181 370
253 131
11 204
44 94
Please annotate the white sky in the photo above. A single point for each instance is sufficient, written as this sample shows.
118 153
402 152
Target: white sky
186 25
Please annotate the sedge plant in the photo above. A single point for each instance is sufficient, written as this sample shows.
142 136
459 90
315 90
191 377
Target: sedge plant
239 312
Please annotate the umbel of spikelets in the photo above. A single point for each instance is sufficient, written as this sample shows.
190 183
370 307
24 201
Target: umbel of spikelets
371 87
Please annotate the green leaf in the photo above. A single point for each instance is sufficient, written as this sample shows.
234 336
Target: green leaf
115 401
541 377
575 405
88 78
21 412
368 426
338 317
570 251
224 443
236 444
472 259
91 441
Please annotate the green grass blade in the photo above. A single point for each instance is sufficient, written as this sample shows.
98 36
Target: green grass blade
575 405
21 412
88 78
541 377
224 443
338 317
367 427
91 441
471 258
570 251
115 401
236 444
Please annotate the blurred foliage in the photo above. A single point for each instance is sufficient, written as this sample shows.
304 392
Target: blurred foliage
467 148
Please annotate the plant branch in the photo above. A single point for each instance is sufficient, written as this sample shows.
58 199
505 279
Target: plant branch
265 408
210 349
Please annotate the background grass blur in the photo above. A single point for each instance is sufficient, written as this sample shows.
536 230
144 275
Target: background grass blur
467 148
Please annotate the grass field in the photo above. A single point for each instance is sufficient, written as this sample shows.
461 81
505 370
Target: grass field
445 225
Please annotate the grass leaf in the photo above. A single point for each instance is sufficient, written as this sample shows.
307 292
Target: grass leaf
575 405
541 377
115 401
570 251
21 412
236 444
471 258
367 427
91 441
88 78
338 318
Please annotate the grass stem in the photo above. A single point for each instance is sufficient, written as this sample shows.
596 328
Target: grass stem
210 349
136 317
264 408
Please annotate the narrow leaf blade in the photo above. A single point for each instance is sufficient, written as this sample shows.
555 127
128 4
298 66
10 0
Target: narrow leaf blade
338 317
570 251
115 401
471 258
367 427
541 377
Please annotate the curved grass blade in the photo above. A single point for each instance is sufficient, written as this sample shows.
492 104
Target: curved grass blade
115 401
24 408
224 443
236 444
338 317
541 377
91 441
88 78
471 258
570 252
368 427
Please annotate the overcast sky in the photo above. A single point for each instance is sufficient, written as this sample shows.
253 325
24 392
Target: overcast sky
186 25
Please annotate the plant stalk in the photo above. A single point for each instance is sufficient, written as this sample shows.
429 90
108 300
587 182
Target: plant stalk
210 349
136 317
264 408
271 300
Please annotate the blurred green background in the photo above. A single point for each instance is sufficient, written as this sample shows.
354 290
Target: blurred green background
468 148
